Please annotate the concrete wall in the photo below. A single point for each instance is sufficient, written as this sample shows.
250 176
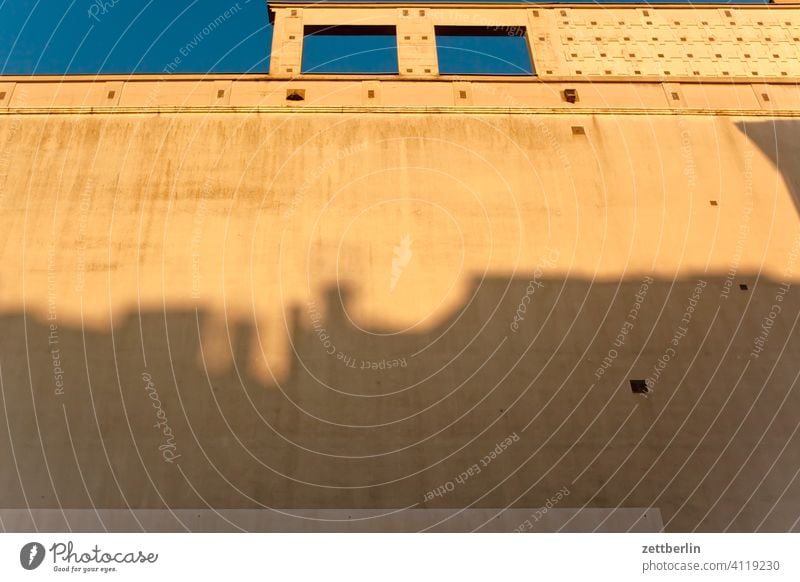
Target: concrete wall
577 40
244 269
238 94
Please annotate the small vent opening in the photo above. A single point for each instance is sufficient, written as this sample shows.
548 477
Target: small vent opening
295 95
639 387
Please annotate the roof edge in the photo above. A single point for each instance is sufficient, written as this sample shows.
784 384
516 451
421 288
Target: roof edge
523 4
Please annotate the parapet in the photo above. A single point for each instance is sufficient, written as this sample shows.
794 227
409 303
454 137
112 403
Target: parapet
738 59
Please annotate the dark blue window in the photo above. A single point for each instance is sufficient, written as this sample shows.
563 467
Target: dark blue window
483 50
350 49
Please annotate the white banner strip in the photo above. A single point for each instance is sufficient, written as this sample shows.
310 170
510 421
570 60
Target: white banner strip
400 557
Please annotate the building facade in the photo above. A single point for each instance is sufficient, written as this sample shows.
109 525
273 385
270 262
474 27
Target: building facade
558 297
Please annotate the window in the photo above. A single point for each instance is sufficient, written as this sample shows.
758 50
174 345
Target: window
350 50
483 50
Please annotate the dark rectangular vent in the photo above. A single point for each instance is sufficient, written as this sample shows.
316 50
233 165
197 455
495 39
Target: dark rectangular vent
295 95
639 387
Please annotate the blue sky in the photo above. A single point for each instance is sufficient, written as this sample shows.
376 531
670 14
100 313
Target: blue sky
134 36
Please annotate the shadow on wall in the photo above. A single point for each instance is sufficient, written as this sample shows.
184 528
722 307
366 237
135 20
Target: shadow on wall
779 139
371 419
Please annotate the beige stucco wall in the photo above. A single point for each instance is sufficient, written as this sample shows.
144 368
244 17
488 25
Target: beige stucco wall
225 254
578 40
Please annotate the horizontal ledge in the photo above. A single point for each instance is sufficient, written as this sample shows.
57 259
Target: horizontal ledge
614 519
356 78
134 77
461 110
366 4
